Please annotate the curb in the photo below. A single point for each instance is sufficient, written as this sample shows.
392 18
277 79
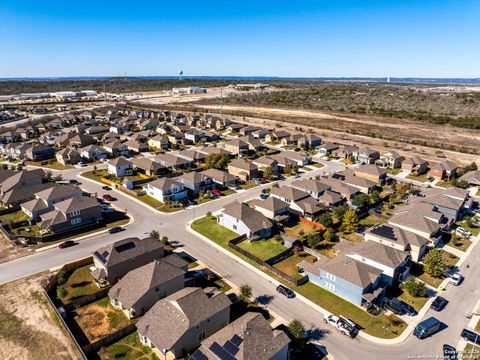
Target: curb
308 302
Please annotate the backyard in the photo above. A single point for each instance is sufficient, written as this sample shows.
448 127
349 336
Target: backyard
417 270
14 217
49 164
289 265
128 348
100 318
76 284
371 220
208 227
299 230
264 249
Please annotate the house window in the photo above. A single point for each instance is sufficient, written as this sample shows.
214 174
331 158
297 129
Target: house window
331 277
75 221
329 286
75 213
234 227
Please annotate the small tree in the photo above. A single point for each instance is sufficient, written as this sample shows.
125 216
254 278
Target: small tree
339 211
164 240
329 235
313 239
414 287
268 173
350 221
325 220
361 200
297 329
375 196
94 170
287 169
48 175
245 292
433 263
154 235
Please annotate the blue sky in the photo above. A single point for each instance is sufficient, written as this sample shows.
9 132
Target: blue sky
423 38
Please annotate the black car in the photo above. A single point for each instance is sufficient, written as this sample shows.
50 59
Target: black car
106 187
439 303
66 244
408 308
471 336
115 229
394 307
449 352
285 291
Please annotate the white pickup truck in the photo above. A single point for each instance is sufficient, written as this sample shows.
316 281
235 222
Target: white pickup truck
345 326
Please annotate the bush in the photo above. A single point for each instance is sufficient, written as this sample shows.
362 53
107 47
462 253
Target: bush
414 287
433 263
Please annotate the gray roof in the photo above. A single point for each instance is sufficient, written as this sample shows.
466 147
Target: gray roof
445 165
396 235
371 169
58 191
165 183
126 249
289 193
243 164
139 281
472 177
385 255
271 203
144 163
258 341
414 160
170 318
310 185
415 221
120 161
330 197
253 219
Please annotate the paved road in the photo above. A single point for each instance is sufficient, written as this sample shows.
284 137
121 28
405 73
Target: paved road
462 299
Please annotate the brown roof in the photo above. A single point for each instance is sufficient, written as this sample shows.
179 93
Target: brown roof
243 164
164 183
289 193
271 203
253 219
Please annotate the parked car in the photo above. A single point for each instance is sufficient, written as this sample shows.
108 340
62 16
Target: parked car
107 197
198 273
470 335
66 244
408 308
393 307
449 352
345 326
289 293
427 328
263 196
456 279
73 181
106 188
430 179
217 192
115 230
439 303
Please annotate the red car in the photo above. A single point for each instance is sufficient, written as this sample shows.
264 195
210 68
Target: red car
217 192
66 244
107 197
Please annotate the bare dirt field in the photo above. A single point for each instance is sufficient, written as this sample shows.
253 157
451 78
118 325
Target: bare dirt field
406 137
29 328
9 251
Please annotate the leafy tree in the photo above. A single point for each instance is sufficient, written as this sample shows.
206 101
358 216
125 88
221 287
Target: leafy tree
329 235
339 211
297 329
268 173
48 175
216 161
154 235
414 287
313 239
164 240
245 292
350 221
278 238
287 169
375 196
433 263
325 220
361 200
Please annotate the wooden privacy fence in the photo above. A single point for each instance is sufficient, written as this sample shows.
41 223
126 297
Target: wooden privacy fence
109 339
84 300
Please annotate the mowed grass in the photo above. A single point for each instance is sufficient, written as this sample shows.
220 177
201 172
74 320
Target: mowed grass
289 265
128 348
459 243
299 230
54 165
416 302
78 284
420 178
15 217
474 230
371 220
154 203
264 249
208 227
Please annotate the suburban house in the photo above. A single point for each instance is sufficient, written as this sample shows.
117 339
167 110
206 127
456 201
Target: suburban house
451 202
115 260
301 203
291 140
288 194
371 172
445 170
312 187
116 148
363 184
68 156
166 190
298 158
39 152
248 130
142 287
209 150
330 198
17 187
272 207
120 167
237 147
254 144
158 142
327 149
471 177
220 177
93 152
390 160
193 156
345 151
173 161
195 181
366 155
264 162
178 323
415 165
398 238
71 213
45 199
147 166
194 136
248 337
276 136
244 220
260 133
282 161
78 140
243 169
136 146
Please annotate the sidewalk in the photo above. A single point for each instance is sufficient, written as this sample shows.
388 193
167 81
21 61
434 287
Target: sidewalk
275 282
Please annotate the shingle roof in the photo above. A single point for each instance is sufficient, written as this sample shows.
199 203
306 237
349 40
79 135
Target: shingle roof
243 164
139 281
289 193
271 203
120 161
171 317
165 183
253 219
58 191
396 235
310 185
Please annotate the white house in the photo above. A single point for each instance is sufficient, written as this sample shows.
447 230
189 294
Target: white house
166 189
120 167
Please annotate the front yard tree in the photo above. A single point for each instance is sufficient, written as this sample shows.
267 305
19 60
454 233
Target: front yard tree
48 175
245 292
313 239
268 173
328 235
350 221
361 200
414 287
297 329
375 196
433 263
216 161
338 212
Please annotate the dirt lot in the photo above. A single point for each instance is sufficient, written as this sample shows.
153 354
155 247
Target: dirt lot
29 329
8 251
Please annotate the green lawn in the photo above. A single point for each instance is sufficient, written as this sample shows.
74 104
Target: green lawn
79 283
350 236
318 165
95 174
248 185
416 302
449 258
15 217
54 165
208 227
475 231
395 171
289 265
417 271
264 249
372 325
228 192
371 220
420 178
128 348
306 168
444 184
150 201
299 230
459 243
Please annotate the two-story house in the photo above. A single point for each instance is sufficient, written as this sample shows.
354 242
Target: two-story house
166 190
